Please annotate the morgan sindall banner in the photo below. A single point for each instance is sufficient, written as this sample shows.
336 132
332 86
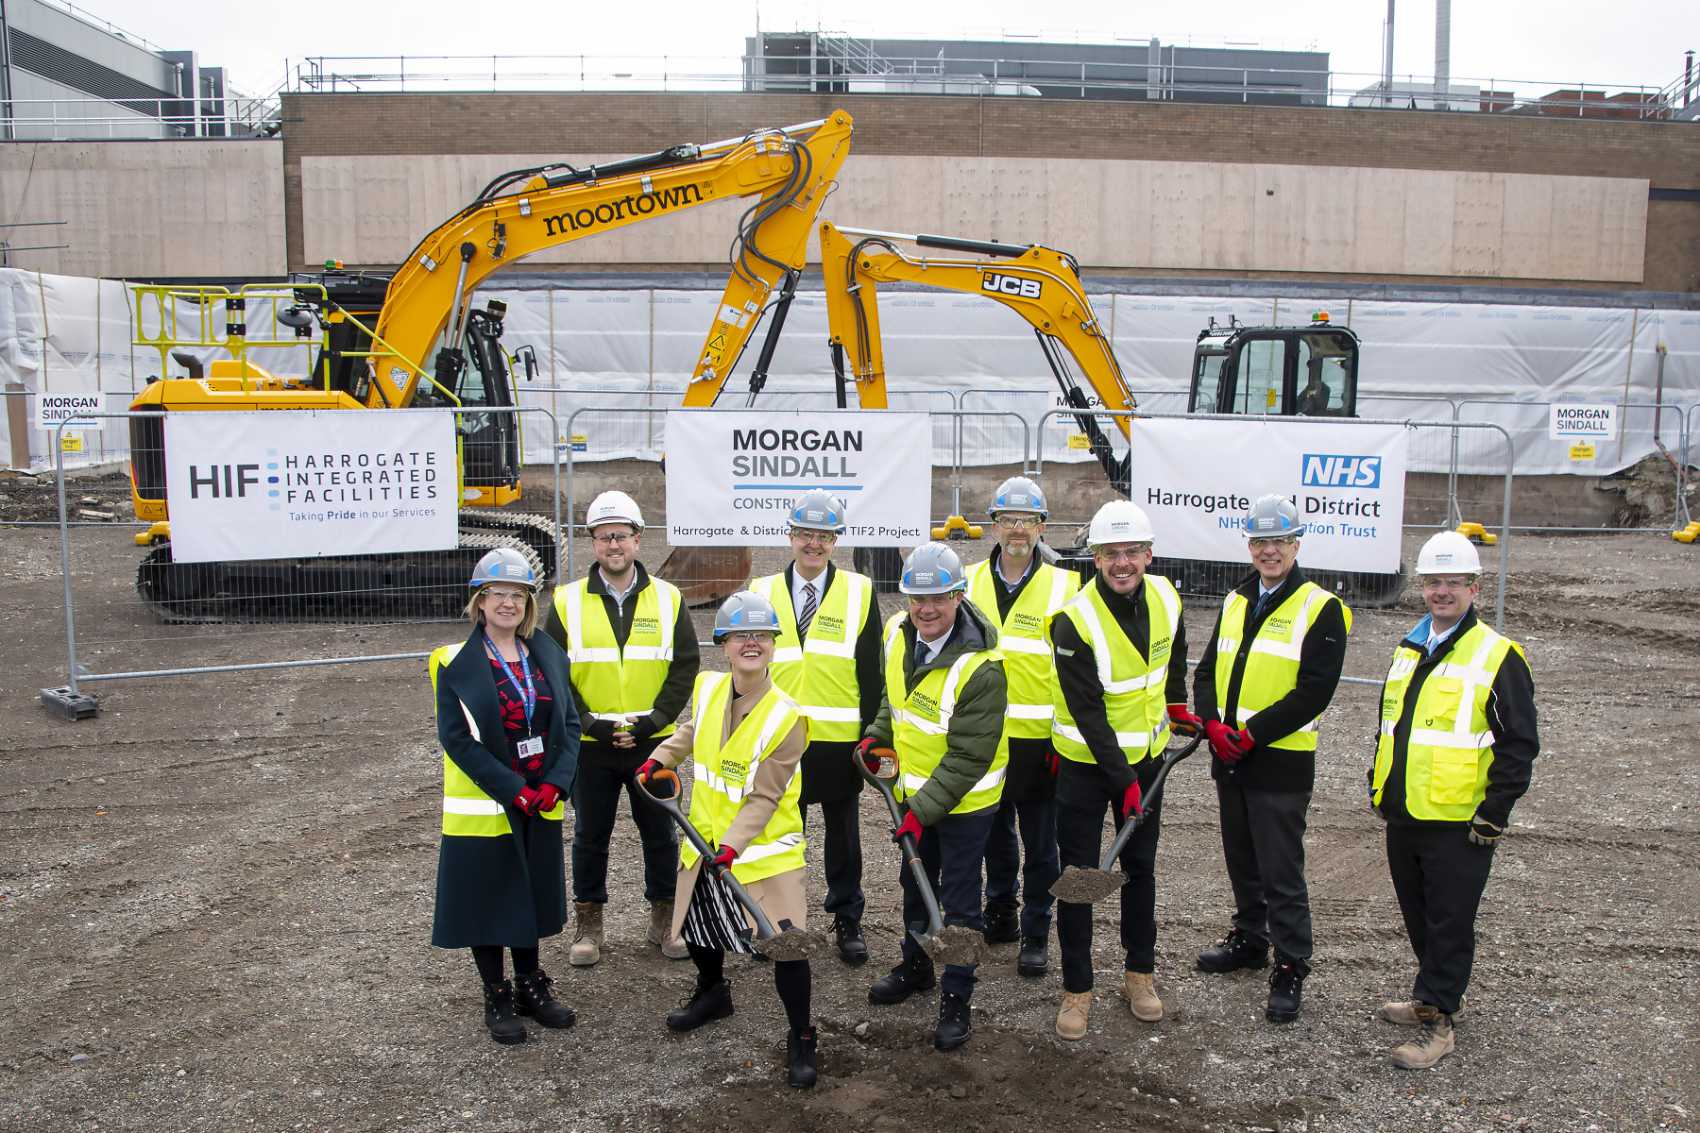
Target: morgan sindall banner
309 483
1195 479
732 477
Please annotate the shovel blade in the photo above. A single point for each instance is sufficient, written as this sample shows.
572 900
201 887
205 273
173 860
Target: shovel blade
1084 886
792 944
958 944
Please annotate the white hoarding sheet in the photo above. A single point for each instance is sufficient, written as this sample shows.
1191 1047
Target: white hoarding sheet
732 477
310 483
1195 479
1573 421
52 408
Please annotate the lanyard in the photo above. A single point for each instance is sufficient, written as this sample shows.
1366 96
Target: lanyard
525 668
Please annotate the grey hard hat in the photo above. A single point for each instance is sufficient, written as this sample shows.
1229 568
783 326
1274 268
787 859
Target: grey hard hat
1020 494
932 568
745 612
504 564
818 511
1271 517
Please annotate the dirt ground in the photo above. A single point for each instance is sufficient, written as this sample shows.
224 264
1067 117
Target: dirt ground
215 902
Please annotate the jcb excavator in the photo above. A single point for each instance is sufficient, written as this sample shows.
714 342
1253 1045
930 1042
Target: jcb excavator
1309 371
379 333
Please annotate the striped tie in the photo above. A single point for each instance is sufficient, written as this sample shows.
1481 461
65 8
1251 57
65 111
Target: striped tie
808 614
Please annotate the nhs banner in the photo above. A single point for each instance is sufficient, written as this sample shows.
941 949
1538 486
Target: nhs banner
309 483
732 476
1195 479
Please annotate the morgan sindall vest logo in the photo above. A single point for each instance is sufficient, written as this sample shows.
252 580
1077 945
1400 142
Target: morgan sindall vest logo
1335 470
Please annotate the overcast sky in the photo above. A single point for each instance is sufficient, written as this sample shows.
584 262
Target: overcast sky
1540 42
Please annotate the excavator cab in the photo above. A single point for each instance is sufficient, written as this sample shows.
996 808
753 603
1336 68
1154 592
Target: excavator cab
1308 371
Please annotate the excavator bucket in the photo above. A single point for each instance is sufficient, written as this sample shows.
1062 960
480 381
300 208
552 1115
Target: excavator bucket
707 575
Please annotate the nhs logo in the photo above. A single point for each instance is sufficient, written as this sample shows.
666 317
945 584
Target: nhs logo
1333 470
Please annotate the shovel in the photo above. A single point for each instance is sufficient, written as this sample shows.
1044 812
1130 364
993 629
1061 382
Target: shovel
787 944
1083 886
956 944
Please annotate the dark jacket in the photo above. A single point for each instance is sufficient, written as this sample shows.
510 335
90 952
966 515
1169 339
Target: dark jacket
1510 715
675 690
828 775
1083 692
510 890
1321 659
976 727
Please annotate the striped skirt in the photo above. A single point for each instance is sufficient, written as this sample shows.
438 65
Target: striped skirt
714 919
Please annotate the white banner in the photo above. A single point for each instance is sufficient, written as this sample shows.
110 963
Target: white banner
1196 479
310 483
732 477
1572 421
52 408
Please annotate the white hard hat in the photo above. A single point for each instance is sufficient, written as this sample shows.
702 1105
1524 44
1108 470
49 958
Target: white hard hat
614 507
1120 521
1449 553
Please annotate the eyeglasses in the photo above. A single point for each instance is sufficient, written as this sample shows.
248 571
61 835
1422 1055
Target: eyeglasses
505 597
934 599
824 538
614 539
1432 583
1258 542
1018 522
743 637
1131 555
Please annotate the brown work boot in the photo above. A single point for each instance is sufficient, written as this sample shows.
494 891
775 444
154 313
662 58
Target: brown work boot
661 931
1072 1015
1428 1048
1141 991
587 935
1403 1012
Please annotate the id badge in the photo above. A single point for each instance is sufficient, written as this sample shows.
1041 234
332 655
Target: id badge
531 747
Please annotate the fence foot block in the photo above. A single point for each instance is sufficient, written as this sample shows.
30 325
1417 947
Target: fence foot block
1687 534
74 705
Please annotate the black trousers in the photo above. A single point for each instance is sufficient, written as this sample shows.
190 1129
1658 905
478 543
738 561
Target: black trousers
596 800
1263 840
1438 876
1083 795
951 852
842 856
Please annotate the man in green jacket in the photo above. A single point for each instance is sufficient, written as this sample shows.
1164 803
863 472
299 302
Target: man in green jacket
943 713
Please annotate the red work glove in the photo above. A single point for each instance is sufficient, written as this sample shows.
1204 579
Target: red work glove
1130 800
1221 742
910 826
547 796
647 768
723 857
1241 742
1052 762
865 753
1184 721
526 801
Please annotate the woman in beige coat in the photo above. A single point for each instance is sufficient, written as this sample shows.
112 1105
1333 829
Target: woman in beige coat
746 739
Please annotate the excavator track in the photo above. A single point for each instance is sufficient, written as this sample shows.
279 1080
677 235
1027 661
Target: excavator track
411 586
539 532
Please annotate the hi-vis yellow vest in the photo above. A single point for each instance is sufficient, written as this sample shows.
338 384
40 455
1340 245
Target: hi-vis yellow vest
820 671
1134 700
619 684
467 811
1272 666
1450 747
724 775
920 721
1024 639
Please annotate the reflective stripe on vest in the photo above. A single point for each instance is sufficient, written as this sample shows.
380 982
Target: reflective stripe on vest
1272 663
1135 704
467 811
820 672
1450 746
620 684
920 721
724 775
1024 639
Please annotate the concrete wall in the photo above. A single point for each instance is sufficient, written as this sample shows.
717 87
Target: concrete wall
141 209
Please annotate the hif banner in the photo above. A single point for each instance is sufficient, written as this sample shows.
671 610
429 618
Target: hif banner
1196 480
310 483
733 477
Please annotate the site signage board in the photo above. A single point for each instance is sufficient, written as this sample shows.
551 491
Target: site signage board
1572 421
52 408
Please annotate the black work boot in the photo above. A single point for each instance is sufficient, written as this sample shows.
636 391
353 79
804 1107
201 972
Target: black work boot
1286 991
1233 952
706 1004
903 981
852 949
800 1051
1002 926
533 997
1032 961
953 1025
499 1016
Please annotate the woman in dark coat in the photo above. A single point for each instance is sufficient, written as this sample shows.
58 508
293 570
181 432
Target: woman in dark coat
510 738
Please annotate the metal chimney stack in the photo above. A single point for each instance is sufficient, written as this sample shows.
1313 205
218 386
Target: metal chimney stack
1387 58
1443 54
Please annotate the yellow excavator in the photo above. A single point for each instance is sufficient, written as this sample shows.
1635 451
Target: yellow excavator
415 338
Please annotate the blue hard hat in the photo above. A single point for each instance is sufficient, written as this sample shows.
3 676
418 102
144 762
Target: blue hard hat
1273 516
745 612
818 511
1018 493
932 568
504 564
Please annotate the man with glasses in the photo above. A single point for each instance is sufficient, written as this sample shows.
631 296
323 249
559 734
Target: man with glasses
1456 748
1268 672
1019 592
1120 649
634 657
827 657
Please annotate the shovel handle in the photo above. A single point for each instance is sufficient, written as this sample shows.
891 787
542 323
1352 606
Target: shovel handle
911 852
670 804
1133 822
